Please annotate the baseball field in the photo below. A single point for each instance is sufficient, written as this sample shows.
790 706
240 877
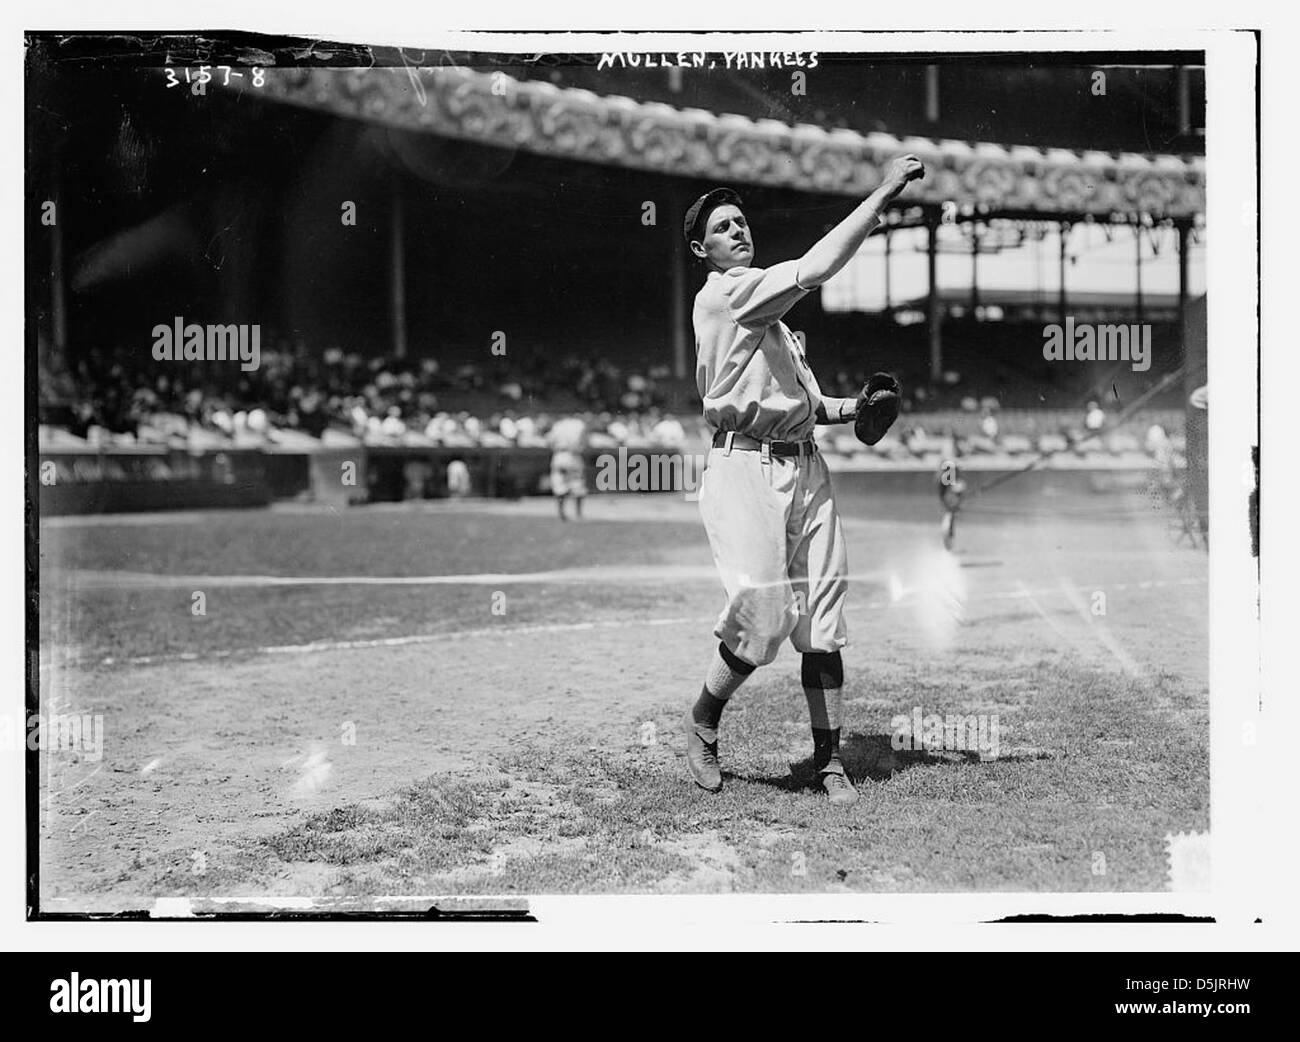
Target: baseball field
476 698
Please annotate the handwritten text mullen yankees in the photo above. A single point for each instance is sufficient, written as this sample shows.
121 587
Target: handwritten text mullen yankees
702 60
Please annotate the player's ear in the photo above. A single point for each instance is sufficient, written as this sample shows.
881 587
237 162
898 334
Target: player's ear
697 248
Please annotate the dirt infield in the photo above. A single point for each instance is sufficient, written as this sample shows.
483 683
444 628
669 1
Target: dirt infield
477 698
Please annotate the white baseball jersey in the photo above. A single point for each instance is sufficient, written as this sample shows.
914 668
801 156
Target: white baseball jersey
568 435
749 368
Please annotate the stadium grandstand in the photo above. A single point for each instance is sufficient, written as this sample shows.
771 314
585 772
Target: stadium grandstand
513 251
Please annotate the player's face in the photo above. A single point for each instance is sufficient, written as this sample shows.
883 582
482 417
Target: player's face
726 241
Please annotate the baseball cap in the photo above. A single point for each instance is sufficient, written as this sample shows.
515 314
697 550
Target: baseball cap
703 206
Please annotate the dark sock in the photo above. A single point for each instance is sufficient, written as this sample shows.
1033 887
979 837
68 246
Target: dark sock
726 674
826 748
707 711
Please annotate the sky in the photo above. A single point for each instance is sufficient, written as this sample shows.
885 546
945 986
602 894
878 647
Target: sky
1097 264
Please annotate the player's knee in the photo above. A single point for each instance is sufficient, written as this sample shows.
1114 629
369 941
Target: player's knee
734 662
756 649
822 670
761 620
761 644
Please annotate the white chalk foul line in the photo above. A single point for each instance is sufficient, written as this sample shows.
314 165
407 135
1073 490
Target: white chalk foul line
1099 627
560 627
648 574
392 642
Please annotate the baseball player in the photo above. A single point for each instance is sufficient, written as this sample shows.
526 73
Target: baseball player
766 497
951 489
568 438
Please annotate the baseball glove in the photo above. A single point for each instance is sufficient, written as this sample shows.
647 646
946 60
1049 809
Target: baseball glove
878 405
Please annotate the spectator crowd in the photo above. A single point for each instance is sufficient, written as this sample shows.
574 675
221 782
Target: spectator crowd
297 399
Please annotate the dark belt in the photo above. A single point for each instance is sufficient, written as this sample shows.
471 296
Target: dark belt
776 448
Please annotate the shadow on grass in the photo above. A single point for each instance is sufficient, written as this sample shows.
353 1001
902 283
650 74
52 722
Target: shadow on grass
872 757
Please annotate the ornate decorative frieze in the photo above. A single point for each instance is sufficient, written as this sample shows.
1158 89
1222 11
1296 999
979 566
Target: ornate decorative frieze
494 109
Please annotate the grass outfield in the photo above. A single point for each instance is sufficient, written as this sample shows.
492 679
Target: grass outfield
476 698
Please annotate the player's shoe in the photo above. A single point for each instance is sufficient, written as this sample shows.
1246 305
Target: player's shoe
702 754
835 783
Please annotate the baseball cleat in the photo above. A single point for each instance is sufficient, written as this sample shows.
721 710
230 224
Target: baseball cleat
839 790
702 754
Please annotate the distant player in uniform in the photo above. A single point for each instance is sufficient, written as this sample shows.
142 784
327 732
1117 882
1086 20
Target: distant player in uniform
766 497
568 438
951 489
458 478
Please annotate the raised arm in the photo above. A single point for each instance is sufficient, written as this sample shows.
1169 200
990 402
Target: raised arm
833 251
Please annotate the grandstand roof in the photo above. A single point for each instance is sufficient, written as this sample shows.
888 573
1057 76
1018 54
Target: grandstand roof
535 116
1032 297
